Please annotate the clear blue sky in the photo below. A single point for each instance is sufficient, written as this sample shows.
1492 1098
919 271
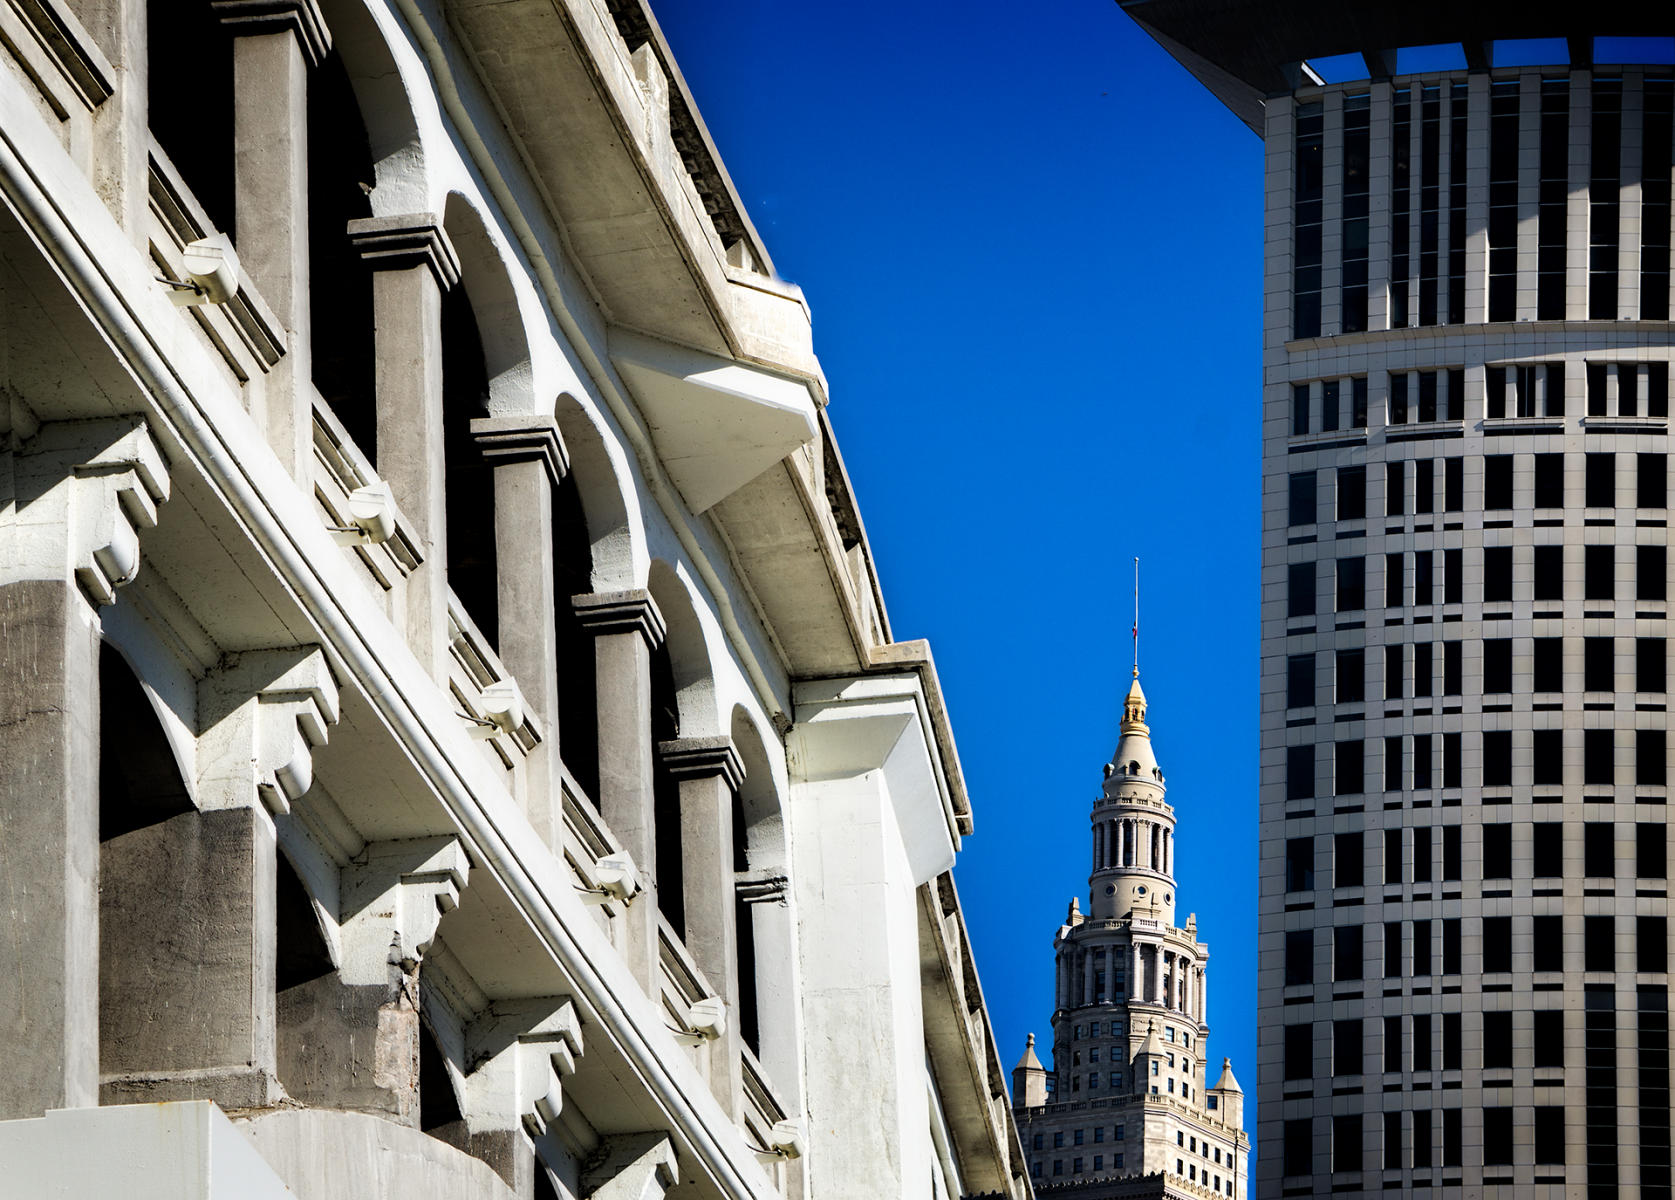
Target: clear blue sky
1032 244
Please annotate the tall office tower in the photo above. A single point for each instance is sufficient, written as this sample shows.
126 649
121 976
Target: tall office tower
1126 1098
1463 936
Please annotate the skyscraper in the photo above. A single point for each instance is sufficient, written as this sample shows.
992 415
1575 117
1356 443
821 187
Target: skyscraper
1126 1095
1463 935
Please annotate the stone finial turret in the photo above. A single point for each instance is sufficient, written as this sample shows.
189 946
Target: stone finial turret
1029 1079
1230 1097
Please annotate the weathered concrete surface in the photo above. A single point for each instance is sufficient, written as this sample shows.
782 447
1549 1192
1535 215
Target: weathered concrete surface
351 1046
186 997
325 1155
185 1151
49 848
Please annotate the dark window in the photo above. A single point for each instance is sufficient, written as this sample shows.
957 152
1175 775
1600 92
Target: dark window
1300 590
1453 576
1549 572
1358 402
1651 851
1549 480
1651 944
1600 488
1599 849
1304 498
1597 375
1346 1046
1395 580
1549 1038
1299 1051
1549 1136
1423 591
1392 966
1497 1137
1598 669
1393 763
1453 484
1427 396
1451 852
1547 754
1351 676
1451 1039
1421 1138
1599 944
1604 198
1393 856
1451 949
1451 668
1329 406
1346 1142
1547 849
1599 572
1599 756
1497 573
1346 952
1352 584
1393 1139
1651 662
1497 665
1423 1060
1307 212
1497 944
1424 658
1650 757
1651 480
1497 1040
1422 952
1348 769
1497 481
1497 851
1300 408
1549 943
1497 758
1352 493
1299 957
1299 864
1651 572
1349 867
1299 681
1299 772
1451 760
1553 193
1395 671
1452 1137
1398 399
1298 1155
1395 489
1424 485
1547 664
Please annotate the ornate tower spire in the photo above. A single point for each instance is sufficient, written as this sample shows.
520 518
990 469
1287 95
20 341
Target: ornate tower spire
1133 826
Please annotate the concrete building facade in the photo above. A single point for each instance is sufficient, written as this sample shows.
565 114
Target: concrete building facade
1125 1105
1464 909
452 742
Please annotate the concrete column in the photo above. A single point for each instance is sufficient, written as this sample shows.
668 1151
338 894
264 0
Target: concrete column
528 458
1160 994
186 995
74 497
1087 978
709 772
1136 976
413 263
49 808
121 137
275 42
626 628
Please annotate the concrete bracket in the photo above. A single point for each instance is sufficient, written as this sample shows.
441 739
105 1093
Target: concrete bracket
703 758
519 1052
524 438
302 18
394 896
262 714
88 488
402 242
632 611
630 1166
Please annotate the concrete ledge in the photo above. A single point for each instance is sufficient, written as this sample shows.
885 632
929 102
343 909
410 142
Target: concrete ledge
187 1151
327 1155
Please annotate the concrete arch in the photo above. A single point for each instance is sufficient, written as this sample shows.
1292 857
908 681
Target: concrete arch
609 505
401 182
494 302
760 804
172 702
689 656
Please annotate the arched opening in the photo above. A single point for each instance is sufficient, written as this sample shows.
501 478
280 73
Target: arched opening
439 1110
472 565
189 62
761 910
140 784
665 727
341 177
578 674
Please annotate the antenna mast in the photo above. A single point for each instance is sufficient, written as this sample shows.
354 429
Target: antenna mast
1136 630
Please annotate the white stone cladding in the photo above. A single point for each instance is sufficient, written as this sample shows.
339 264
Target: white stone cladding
1126 1097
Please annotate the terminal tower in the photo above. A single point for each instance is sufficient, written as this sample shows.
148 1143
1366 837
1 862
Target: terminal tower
1124 1110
